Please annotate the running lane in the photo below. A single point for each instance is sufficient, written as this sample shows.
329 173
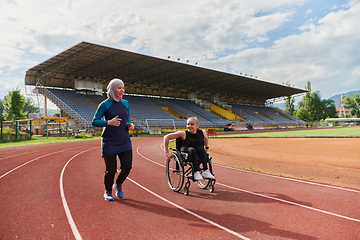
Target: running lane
60 195
30 203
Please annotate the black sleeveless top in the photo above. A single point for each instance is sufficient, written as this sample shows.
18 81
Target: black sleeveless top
194 140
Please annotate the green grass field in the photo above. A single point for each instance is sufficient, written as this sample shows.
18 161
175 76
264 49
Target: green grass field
39 140
325 132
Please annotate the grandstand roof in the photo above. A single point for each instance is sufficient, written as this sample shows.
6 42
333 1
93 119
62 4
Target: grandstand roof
150 76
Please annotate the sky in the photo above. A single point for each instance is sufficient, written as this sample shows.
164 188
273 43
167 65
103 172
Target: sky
283 41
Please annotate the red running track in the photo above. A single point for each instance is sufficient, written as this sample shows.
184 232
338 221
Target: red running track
55 191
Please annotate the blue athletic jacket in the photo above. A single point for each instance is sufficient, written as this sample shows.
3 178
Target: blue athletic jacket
114 140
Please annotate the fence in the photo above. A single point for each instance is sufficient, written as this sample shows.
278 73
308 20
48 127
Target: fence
26 128
155 126
15 130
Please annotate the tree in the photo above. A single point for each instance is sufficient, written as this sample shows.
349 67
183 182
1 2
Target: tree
13 103
317 108
303 114
276 107
307 101
1 108
329 109
29 107
353 103
289 105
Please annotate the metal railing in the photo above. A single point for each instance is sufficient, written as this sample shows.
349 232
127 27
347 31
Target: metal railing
64 105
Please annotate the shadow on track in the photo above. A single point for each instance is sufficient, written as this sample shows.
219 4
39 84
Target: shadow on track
236 222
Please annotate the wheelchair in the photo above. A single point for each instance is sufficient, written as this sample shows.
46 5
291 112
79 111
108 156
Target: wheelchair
180 168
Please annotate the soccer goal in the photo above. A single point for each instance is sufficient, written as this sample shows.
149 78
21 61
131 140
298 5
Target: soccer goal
155 126
259 125
241 126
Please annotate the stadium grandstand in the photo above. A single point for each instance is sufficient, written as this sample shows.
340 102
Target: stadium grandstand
162 93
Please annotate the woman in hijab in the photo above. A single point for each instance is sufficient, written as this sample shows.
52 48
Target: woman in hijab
115 138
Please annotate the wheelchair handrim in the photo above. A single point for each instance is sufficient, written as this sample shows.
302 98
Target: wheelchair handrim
174 173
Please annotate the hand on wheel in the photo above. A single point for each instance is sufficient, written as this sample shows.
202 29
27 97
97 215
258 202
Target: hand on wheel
169 155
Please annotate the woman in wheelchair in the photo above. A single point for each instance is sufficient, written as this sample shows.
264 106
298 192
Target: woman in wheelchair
194 142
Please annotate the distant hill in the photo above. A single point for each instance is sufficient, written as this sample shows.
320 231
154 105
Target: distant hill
335 97
51 112
279 105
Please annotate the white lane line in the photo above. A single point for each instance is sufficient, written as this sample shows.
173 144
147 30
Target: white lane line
292 203
17 155
190 212
181 208
32 161
283 178
66 207
63 199
137 150
265 196
289 179
25 164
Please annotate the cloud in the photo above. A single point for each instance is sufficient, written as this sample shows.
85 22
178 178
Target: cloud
234 36
323 53
193 29
309 11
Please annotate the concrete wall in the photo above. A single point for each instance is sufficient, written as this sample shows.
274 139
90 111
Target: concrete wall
11 137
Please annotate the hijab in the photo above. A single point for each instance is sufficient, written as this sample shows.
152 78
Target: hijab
111 89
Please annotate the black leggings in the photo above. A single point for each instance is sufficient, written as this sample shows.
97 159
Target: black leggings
111 168
193 158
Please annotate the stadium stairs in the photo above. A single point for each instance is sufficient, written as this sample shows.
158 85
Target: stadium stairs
226 114
167 108
73 106
81 108
189 109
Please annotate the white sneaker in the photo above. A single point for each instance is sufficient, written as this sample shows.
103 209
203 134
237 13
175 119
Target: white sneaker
108 196
207 174
197 176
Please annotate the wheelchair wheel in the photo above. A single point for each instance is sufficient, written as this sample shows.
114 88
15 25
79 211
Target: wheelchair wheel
186 188
205 182
175 172
211 188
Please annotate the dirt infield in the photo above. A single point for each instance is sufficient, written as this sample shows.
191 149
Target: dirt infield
324 160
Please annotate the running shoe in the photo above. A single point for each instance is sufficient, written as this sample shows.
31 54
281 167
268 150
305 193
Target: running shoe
118 190
207 174
108 196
